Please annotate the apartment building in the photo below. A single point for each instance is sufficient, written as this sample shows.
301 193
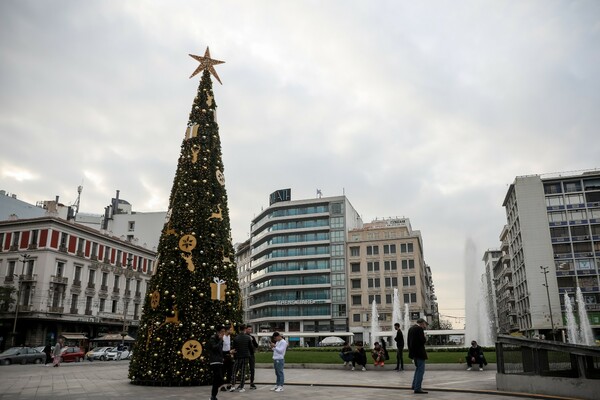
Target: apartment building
68 278
298 261
383 255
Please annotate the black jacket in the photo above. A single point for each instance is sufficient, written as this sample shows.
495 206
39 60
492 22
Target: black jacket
399 339
215 350
242 344
416 343
476 352
254 345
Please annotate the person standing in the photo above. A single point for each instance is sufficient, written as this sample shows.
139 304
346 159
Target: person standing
215 358
279 346
227 359
416 352
252 359
475 356
47 351
399 339
241 346
57 351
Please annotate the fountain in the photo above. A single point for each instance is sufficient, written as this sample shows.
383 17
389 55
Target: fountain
396 313
406 325
585 330
571 325
375 331
477 319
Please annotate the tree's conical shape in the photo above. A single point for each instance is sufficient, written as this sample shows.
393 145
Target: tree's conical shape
195 285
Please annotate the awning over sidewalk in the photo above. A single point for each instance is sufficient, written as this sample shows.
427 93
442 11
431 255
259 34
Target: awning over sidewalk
113 337
73 336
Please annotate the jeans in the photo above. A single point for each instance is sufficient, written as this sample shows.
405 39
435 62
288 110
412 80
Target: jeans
217 370
252 364
399 360
278 365
419 373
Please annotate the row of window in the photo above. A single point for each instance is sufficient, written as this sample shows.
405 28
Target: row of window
388 281
573 215
373 250
101 304
374 266
356 300
292 311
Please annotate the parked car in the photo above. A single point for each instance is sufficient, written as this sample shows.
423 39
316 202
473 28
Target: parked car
114 354
72 353
21 355
98 353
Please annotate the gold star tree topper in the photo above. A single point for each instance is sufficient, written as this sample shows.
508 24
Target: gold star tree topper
206 63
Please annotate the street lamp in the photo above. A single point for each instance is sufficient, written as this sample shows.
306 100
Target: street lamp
545 272
14 331
124 332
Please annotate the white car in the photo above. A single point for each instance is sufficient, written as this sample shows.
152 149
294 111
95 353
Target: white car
113 354
98 353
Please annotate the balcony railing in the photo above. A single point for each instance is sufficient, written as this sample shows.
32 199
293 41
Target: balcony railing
59 279
9 278
115 290
138 294
77 282
103 288
73 311
91 285
25 308
28 278
128 293
88 312
56 310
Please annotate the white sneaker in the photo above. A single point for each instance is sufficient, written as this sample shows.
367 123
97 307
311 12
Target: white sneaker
273 388
241 390
232 389
352 368
364 369
481 369
345 363
468 369
279 389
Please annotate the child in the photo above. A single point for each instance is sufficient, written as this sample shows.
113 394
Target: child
378 354
360 356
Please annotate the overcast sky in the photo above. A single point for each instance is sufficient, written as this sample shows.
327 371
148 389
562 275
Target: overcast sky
426 110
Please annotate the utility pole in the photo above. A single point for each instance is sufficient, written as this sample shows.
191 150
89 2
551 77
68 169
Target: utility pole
545 272
124 333
14 331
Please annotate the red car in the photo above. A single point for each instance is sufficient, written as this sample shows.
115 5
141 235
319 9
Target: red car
69 354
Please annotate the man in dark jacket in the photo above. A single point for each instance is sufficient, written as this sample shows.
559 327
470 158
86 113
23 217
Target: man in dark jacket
215 358
417 353
475 356
399 339
252 360
241 346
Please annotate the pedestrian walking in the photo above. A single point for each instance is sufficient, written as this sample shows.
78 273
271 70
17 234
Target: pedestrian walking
57 352
241 353
215 359
417 353
252 359
399 339
48 352
279 346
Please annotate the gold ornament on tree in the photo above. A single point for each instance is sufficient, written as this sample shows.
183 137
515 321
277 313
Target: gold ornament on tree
191 350
220 178
206 63
218 215
191 131
155 299
187 243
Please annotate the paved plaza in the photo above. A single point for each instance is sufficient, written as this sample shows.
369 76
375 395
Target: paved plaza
108 380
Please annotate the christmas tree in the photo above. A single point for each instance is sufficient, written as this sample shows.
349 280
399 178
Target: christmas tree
194 287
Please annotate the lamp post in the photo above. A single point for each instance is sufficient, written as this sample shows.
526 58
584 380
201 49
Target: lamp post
14 331
545 272
124 333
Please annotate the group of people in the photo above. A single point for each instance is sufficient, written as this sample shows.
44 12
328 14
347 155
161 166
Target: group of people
53 355
229 358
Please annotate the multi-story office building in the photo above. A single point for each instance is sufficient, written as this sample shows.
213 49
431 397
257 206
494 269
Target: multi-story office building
383 255
488 304
297 281
243 261
554 233
68 278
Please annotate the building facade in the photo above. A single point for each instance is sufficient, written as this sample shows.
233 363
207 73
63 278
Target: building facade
553 233
383 255
297 268
505 311
66 277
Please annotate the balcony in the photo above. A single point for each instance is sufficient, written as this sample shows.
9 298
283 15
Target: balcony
32 246
61 280
25 308
88 312
79 253
77 282
13 247
91 285
103 288
127 293
28 278
56 310
116 290
9 278
73 311
138 295
62 249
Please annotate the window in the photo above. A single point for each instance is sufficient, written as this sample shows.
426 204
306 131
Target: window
88 304
337 236
574 186
356 317
338 279
131 226
355 283
80 245
408 281
94 250
138 285
102 304
389 249
355 267
114 306
336 208
390 265
74 299
336 222
356 300
339 310
60 268
338 295
119 257
337 264
376 297
372 250
406 248
410 298
92 276
15 239
136 312
391 281
337 250
105 279
550 188
34 237
408 264
11 269
106 257
558 216
373 282
116 282
388 299
64 239
355 251
77 277
372 266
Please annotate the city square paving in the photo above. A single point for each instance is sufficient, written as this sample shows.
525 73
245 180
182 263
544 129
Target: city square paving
108 380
